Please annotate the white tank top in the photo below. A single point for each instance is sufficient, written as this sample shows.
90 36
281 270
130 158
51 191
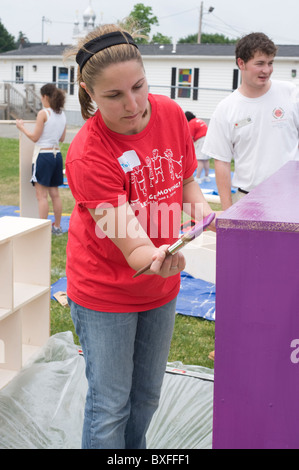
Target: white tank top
53 129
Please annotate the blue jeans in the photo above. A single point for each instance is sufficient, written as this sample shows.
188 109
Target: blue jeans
126 356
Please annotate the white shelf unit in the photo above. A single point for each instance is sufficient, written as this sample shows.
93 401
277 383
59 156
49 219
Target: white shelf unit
28 201
25 275
200 255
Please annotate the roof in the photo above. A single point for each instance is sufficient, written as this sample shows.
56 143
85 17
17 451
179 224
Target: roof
225 50
188 49
36 50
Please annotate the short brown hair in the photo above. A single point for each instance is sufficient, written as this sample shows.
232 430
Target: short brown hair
252 43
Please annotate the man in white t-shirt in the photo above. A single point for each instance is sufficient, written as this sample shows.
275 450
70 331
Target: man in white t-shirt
257 126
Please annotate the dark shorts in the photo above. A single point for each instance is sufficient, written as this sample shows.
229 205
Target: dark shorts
48 169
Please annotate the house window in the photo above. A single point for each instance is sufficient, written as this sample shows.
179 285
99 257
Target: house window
19 73
64 78
184 83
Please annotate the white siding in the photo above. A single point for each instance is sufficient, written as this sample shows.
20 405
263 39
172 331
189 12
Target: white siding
6 70
215 78
215 81
283 70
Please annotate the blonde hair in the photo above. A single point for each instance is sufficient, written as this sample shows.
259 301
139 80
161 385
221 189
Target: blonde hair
98 62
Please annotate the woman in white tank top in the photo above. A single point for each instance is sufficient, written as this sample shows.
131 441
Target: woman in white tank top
47 165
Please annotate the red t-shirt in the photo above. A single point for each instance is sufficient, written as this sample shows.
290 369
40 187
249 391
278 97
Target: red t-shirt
198 128
145 169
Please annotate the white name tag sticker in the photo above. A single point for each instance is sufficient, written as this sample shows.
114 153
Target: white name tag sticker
129 160
243 122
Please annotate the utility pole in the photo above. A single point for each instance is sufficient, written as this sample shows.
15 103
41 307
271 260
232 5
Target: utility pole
200 23
44 20
210 10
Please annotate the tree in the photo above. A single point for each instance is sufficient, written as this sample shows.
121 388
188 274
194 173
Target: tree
159 38
22 39
7 41
216 38
208 39
143 19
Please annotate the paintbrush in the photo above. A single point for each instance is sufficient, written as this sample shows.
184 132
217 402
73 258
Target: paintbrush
184 240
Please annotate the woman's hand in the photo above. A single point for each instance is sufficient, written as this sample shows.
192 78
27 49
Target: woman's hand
166 266
38 128
138 250
20 124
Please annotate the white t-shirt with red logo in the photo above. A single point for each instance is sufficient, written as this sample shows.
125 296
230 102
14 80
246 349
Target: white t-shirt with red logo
259 134
145 169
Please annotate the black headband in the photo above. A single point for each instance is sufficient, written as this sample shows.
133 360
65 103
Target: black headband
100 43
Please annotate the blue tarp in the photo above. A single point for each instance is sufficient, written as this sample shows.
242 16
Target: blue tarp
58 286
196 297
211 186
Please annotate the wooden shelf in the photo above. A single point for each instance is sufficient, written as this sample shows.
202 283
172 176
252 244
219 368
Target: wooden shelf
23 293
200 255
25 252
4 312
28 352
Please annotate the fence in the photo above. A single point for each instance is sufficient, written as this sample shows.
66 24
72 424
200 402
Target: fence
22 101
16 103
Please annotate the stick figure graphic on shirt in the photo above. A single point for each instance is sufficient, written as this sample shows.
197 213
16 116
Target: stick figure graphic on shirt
150 169
179 174
158 165
139 178
169 155
153 170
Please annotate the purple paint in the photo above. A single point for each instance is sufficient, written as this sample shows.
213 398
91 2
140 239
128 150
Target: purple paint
256 393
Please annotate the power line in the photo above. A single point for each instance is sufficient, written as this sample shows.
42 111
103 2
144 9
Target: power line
228 25
179 13
215 27
63 22
223 30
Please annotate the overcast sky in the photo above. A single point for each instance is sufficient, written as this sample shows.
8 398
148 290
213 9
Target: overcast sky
177 19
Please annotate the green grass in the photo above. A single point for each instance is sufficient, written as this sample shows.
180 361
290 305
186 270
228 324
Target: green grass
193 338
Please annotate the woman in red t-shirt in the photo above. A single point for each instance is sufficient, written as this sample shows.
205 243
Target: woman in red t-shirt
130 169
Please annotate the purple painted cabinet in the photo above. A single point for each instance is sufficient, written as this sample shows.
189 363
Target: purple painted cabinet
256 388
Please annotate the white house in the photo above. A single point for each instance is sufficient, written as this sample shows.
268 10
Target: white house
197 76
